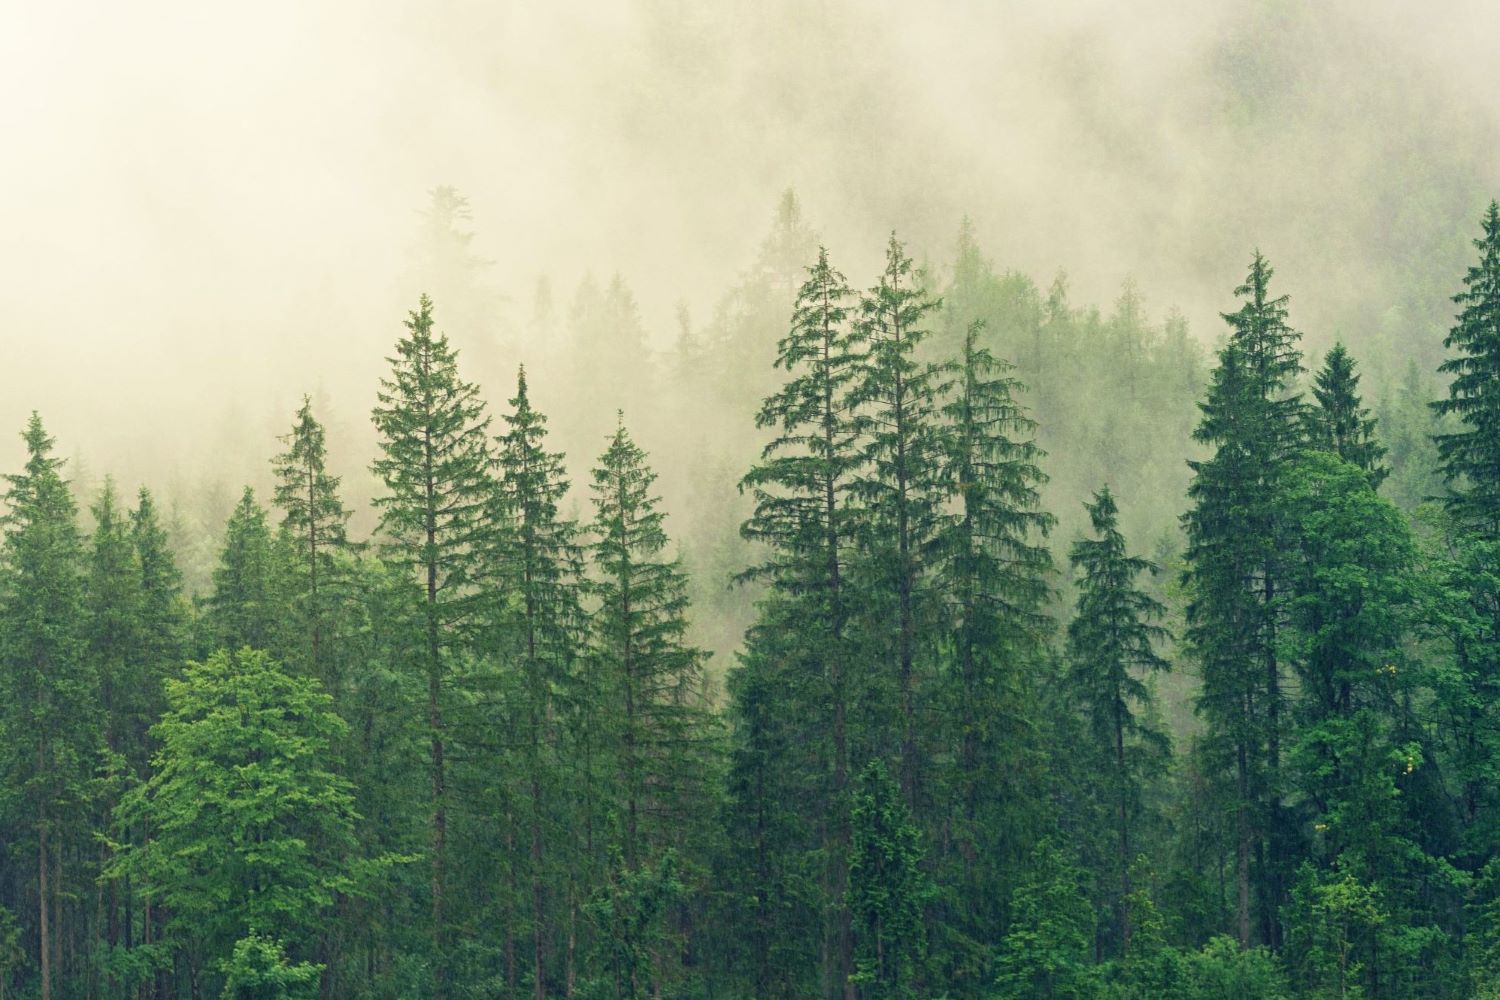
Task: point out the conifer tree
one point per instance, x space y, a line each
647 670
112 626
49 718
900 485
163 612
313 518
1236 555
251 600
648 680
994 566
1470 456
804 516
435 464
539 567
1339 423
1112 652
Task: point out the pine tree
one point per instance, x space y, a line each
436 468
251 600
804 516
113 598
1112 653
313 519
994 567
1339 423
539 568
646 668
900 485
1235 567
1471 456
648 680
163 613
49 718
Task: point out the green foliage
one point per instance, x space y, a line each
629 911
1470 455
1048 950
1111 649
1339 423
313 521
258 969
250 828
1236 564
251 603
887 890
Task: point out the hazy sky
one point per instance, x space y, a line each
206 209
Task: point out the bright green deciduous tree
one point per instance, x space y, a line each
250 827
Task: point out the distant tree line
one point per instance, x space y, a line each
479 754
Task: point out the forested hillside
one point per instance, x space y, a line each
996 646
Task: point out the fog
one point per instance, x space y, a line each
207 210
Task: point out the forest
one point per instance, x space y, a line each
1033 650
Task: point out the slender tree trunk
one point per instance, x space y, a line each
43 916
839 846
1242 846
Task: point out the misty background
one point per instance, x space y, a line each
206 212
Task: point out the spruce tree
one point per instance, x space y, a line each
1339 423
994 568
49 717
251 600
539 568
647 677
1111 654
163 612
112 626
1470 456
647 670
435 464
1236 552
313 519
900 484
805 518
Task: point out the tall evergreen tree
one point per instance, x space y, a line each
1252 420
49 717
994 565
113 587
314 519
901 487
1339 423
1470 456
647 668
539 567
251 600
645 671
804 515
435 464
1112 651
